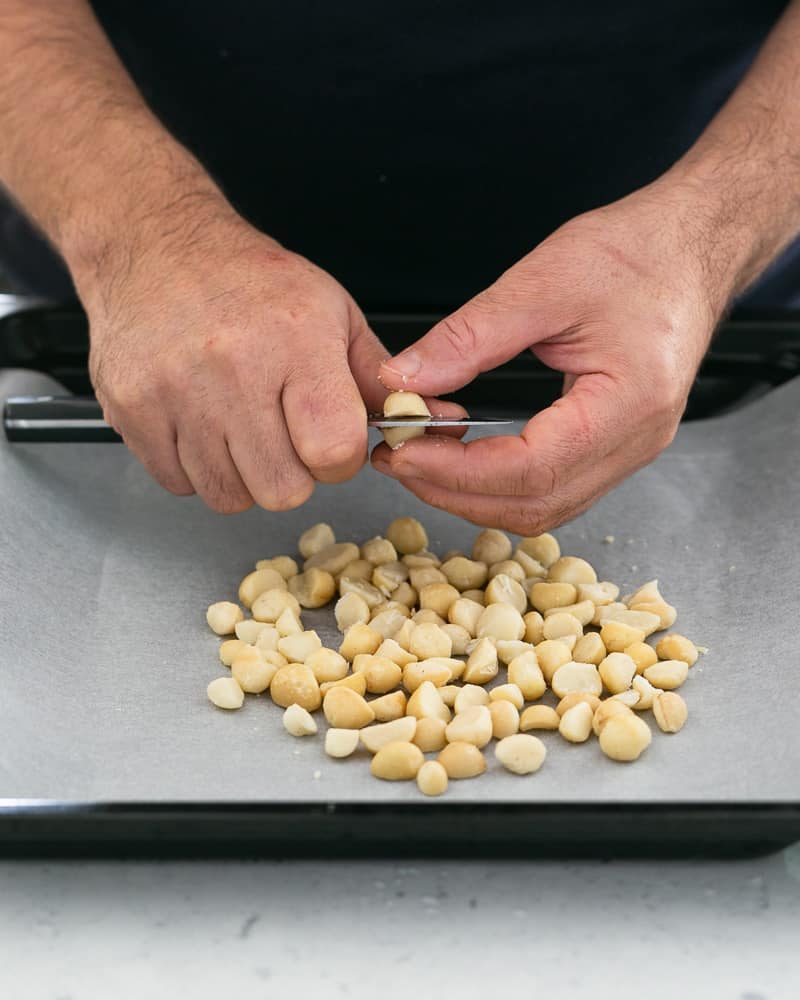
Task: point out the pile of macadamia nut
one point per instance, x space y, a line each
440 656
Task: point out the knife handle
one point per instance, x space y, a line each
56 418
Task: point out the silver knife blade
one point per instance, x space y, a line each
381 422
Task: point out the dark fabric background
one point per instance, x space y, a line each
416 150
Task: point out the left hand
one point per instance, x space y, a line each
623 300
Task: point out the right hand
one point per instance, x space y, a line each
231 367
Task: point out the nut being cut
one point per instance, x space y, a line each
403 404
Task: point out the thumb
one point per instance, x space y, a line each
475 338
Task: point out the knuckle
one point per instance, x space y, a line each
232 503
459 333
329 457
285 496
222 495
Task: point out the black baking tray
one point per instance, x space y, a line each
751 358
752 352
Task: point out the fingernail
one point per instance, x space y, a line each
381 466
406 365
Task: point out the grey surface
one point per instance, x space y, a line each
104 581
398 931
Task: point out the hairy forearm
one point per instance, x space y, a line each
742 177
81 150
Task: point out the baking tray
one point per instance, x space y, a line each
109 744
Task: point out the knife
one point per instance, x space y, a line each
80 419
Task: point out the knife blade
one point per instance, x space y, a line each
381 422
80 419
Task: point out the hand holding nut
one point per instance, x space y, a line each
614 301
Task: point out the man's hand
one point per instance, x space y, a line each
231 367
622 301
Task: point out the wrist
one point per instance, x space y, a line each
138 204
737 214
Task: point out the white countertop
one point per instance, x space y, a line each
584 930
